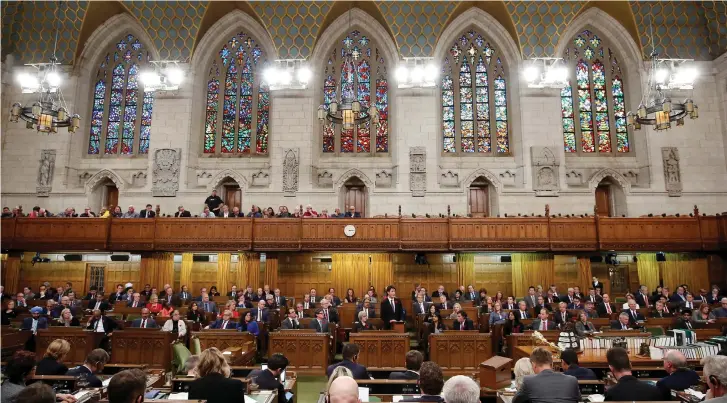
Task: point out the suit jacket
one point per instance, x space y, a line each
289 324
103 307
676 298
558 316
641 299
616 325
531 300
147 214
113 297
28 323
519 314
449 305
682 324
140 304
355 215
511 307
601 309
371 312
631 389
695 305
662 314
84 372
573 306
389 313
281 301
581 328
150 323
49 366
336 301
109 324
185 213
265 314
680 380
231 324
468 325
211 306
548 387
404 376
596 299
301 314
320 327
358 370
580 373
357 327
550 324
215 388
634 318
469 297
266 381
418 310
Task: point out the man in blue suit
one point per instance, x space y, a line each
35 322
569 360
225 323
260 314
680 376
145 322
350 356
352 213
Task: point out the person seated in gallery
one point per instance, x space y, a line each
309 212
462 322
213 383
300 310
440 291
623 322
248 324
522 312
371 312
206 213
99 303
261 313
145 322
283 212
337 214
604 308
413 362
350 357
181 212
35 321
319 323
576 304
583 327
590 310
270 302
147 212
363 323
225 212
542 322
52 362
66 319
352 213
224 323
661 311
255 212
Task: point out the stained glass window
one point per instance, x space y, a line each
121 110
240 126
366 73
474 95
596 96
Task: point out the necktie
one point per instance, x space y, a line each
563 315
224 325
134 304
689 325
542 325
143 323
689 305
34 326
98 304
666 309
608 308
445 305
259 314
522 314
206 307
623 327
391 300
461 326
633 314
646 300
326 312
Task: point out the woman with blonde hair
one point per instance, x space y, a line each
523 367
52 362
337 373
232 307
154 306
213 384
455 311
67 319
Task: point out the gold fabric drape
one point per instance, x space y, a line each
466 269
271 270
12 275
248 270
350 270
648 270
531 269
382 274
224 265
585 277
157 269
185 274
685 268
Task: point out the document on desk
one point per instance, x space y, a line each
363 394
248 399
179 396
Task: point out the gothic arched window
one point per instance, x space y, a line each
367 81
592 106
474 98
234 81
121 112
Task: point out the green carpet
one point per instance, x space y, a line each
309 387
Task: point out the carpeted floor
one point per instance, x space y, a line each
309 387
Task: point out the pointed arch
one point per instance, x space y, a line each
96 14
340 9
350 174
621 11
227 173
100 176
599 176
497 9
216 10
481 172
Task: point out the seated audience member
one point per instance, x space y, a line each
443 303
623 322
300 310
291 321
634 316
94 364
510 304
255 212
184 294
206 213
17 370
136 301
154 306
715 374
456 308
522 312
52 362
20 301
462 322
680 376
583 327
127 386
497 316
661 311
512 324
604 308
542 305
590 311
576 304
283 212
335 301
35 321
99 303
224 323
352 213
261 312
247 324
363 323
372 294
569 363
343 389
175 325
207 305
461 389
350 297
130 213
225 212
232 307
337 373
542 322
147 212
181 212
329 314
8 313
267 379
166 310
118 295
213 384
145 322
350 356
195 314
269 213
523 367
546 385
100 323
689 303
319 323
419 307
720 312
280 300
309 212
66 319
413 363
270 302
628 387
431 381
87 213
436 325
685 320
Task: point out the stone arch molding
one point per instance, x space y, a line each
606 173
350 174
227 173
100 176
492 178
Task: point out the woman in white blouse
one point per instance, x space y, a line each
175 325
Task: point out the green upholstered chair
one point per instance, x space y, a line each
180 355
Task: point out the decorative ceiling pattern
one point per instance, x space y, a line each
681 29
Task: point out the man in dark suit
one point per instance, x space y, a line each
562 317
145 322
225 322
684 321
35 321
440 291
350 356
679 296
462 323
170 297
547 385
430 384
628 387
370 312
593 297
391 308
576 304
680 376
233 293
319 324
623 322
522 312
334 299
551 298
690 303
661 311
542 322
291 322
596 284
510 304
209 306
267 379
279 299
642 296
414 361
634 315
352 213
118 295
184 295
472 295
93 365
260 313
99 303
420 306
569 362
136 302
531 299
329 314
299 310
181 212
147 213
100 323
443 304
604 309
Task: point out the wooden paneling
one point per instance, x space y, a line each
709 229
204 274
371 234
669 233
132 234
441 270
307 352
381 349
499 234
423 235
203 234
299 272
276 234
493 275
150 347
7 226
81 341
459 352
119 273
222 339
57 273
60 234
572 234
566 273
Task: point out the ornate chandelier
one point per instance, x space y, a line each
656 108
49 111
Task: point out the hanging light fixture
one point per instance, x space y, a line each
350 108
49 111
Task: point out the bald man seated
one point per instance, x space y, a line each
680 376
343 390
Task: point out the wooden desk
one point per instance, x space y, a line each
142 346
81 341
457 352
224 339
307 352
12 340
381 349
379 387
593 358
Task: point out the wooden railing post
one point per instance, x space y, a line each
598 225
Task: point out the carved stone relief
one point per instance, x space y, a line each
165 174
508 178
574 178
545 171
449 178
290 171
261 178
672 172
204 178
632 176
324 178
384 178
418 171
45 172
138 179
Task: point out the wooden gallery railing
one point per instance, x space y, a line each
705 233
